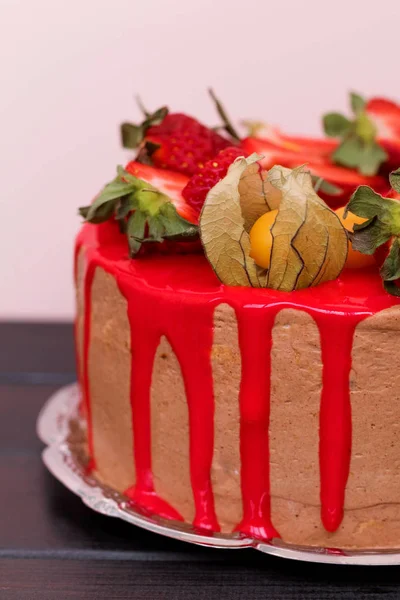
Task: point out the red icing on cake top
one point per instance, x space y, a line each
192 290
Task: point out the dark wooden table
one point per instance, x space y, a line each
53 547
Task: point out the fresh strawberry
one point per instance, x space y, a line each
386 116
168 182
145 204
173 141
278 154
320 147
185 145
215 169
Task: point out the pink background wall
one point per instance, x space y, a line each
71 68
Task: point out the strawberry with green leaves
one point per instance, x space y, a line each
382 227
147 204
370 139
169 183
173 141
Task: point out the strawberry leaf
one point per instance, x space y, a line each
109 196
349 152
320 184
354 153
394 179
390 269
135 231
227 123
359 148
357 103
382 225
391 288
142 107
367 203
133 135
372 157
366 238
364 128
138 206
175 226
336 125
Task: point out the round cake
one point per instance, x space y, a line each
242 407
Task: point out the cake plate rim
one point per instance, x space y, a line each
53 428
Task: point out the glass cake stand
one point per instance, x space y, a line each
60 427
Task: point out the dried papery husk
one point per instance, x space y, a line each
310 244
222 229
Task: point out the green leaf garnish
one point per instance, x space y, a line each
133 135
394 179
135 231
357 103
382 225
358 148
336 125
227 123
143 212
390 270
320 184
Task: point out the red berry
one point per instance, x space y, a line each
215 169
168 182
386 116
185 144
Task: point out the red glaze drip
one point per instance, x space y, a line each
335 415
190 335
77 349
144 342
176 296
256 338
89 275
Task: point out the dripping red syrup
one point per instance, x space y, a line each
188 292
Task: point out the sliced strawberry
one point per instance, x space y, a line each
200 184
392 148
184 144
386 116
345 179
168 182
274 154
145 204
320 147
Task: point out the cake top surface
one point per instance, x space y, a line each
312 220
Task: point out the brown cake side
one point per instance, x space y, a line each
372 511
